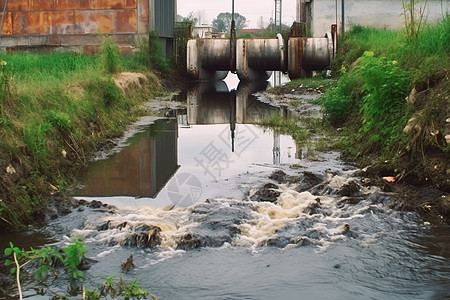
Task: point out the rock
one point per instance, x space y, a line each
144 236
104 226
10 170
350 188
344 229
128 265
314 208
203 239
86 263
96 204
412 96
266 194
308 181
52 214
279 176
349 200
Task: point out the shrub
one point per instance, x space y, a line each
385 87
339 102
60 120
150 54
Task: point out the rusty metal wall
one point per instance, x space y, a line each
73 24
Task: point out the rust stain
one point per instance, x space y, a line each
131 3
58 22
107 4
296 56
95 21
43 4
61 22
72 4
7 23
28 22
125 21
16 5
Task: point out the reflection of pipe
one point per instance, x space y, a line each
232 117
276 149
209 103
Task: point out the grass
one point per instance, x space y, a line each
54 103
378 68
304 131
313 83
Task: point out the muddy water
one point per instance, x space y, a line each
196 208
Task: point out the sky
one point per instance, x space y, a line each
253 10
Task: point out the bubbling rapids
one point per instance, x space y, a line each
279 214
272 223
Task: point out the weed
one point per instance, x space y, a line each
35 137
60 120
111 93
384 89
150 54
339 102
110 56
378 70
46 258
61 184
287 126
295 102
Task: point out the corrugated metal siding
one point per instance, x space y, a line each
164 17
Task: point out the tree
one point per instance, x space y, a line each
223 22
195 18
190 18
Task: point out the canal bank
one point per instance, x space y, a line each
433 205
273 217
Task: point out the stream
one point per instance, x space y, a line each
213 206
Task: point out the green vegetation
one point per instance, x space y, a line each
314 83
287 126
50 259
55 108
303 130
392 97
150 55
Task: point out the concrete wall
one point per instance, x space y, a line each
373 13
73 24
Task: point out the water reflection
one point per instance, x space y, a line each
151 158
139 169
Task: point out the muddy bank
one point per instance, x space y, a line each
422 188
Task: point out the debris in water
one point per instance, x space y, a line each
389 178
128 265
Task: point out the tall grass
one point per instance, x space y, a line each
54 109
382 42
429 53
26 65
150 55
378 69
